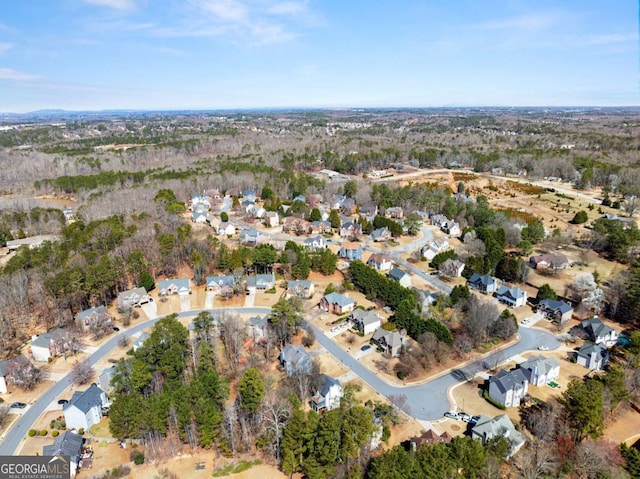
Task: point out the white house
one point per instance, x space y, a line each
51 344
133 297
85 408
436 246
137 344
514 297
400 276
366 321
380 262
173 286
66 444
3 377
593 356
225 228
315 243
508 387
487 428
540 370
328 396
598 332
105 378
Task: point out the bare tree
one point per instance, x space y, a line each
4 412
233 334
82 372
275 413
400 402
23 373
536 462
478 319
123 341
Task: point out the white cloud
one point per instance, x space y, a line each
5 47
529 22
226 10
288 8
116 4
10 74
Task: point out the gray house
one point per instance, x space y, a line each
91 317
558 310
508 388
295 360
593 356
400 276
366 321
487 428
391 342
261 281
105 378
222 284
483 282
172 286
85 408
328 396
598 332
67 444
133 297
540 370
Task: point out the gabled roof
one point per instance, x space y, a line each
514 293
261 279
258 321
86 400
588 349
508 380
3 368
541 364
351 245
365 317
379 258
397 274
180 283
484 279
555 305
339 299
44 339
99 310
596 328
67 444
222 280
293 354
499 426
391 338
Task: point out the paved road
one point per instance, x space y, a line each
22 425
428 401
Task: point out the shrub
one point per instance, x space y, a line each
43 432
55 433
138 459
485 394
32 432
81 431
580 217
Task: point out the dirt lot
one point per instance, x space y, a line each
625 427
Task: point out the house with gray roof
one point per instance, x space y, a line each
367 322
452 268
139 341
173 286
250 236
556 309
85 408
593 356
483 282
295 360
328 396
508 387
400 276
380 234
67 444
540 370
221 284
514 297
257 328
133 297
105 378
51 344
598 332
315 243
303 289
3 376
337 303
487 428
261 281
92 317
391 342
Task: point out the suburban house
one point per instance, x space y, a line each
271 219
400 276
328 396
222 284
257 328
296 225
593 356
51 344
261 281
85 408
200 217
249 195
105 378
380 262
366 321
173 286
438 220
139 341
452 268
508 387
391 342
295 360
279 241
429 437
226 229
321 227
68 214
133 297
487 428
92 317
348 207
598 332
303 289
558 310
255 211
337 303
350 230
540 370
452 228
395 213
336 201
555 261
380 235
514 297
315 243
202 202
250 236
483 282
32 242
369 212
351 251
67 444
436 246
3 377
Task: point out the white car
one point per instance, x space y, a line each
543 348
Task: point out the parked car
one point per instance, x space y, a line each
543 348
464 416
366 347
116 329
63 402
451 415
18 405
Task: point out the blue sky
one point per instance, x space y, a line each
174 54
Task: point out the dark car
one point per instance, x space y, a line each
63 402
116 329
18 405
366 347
